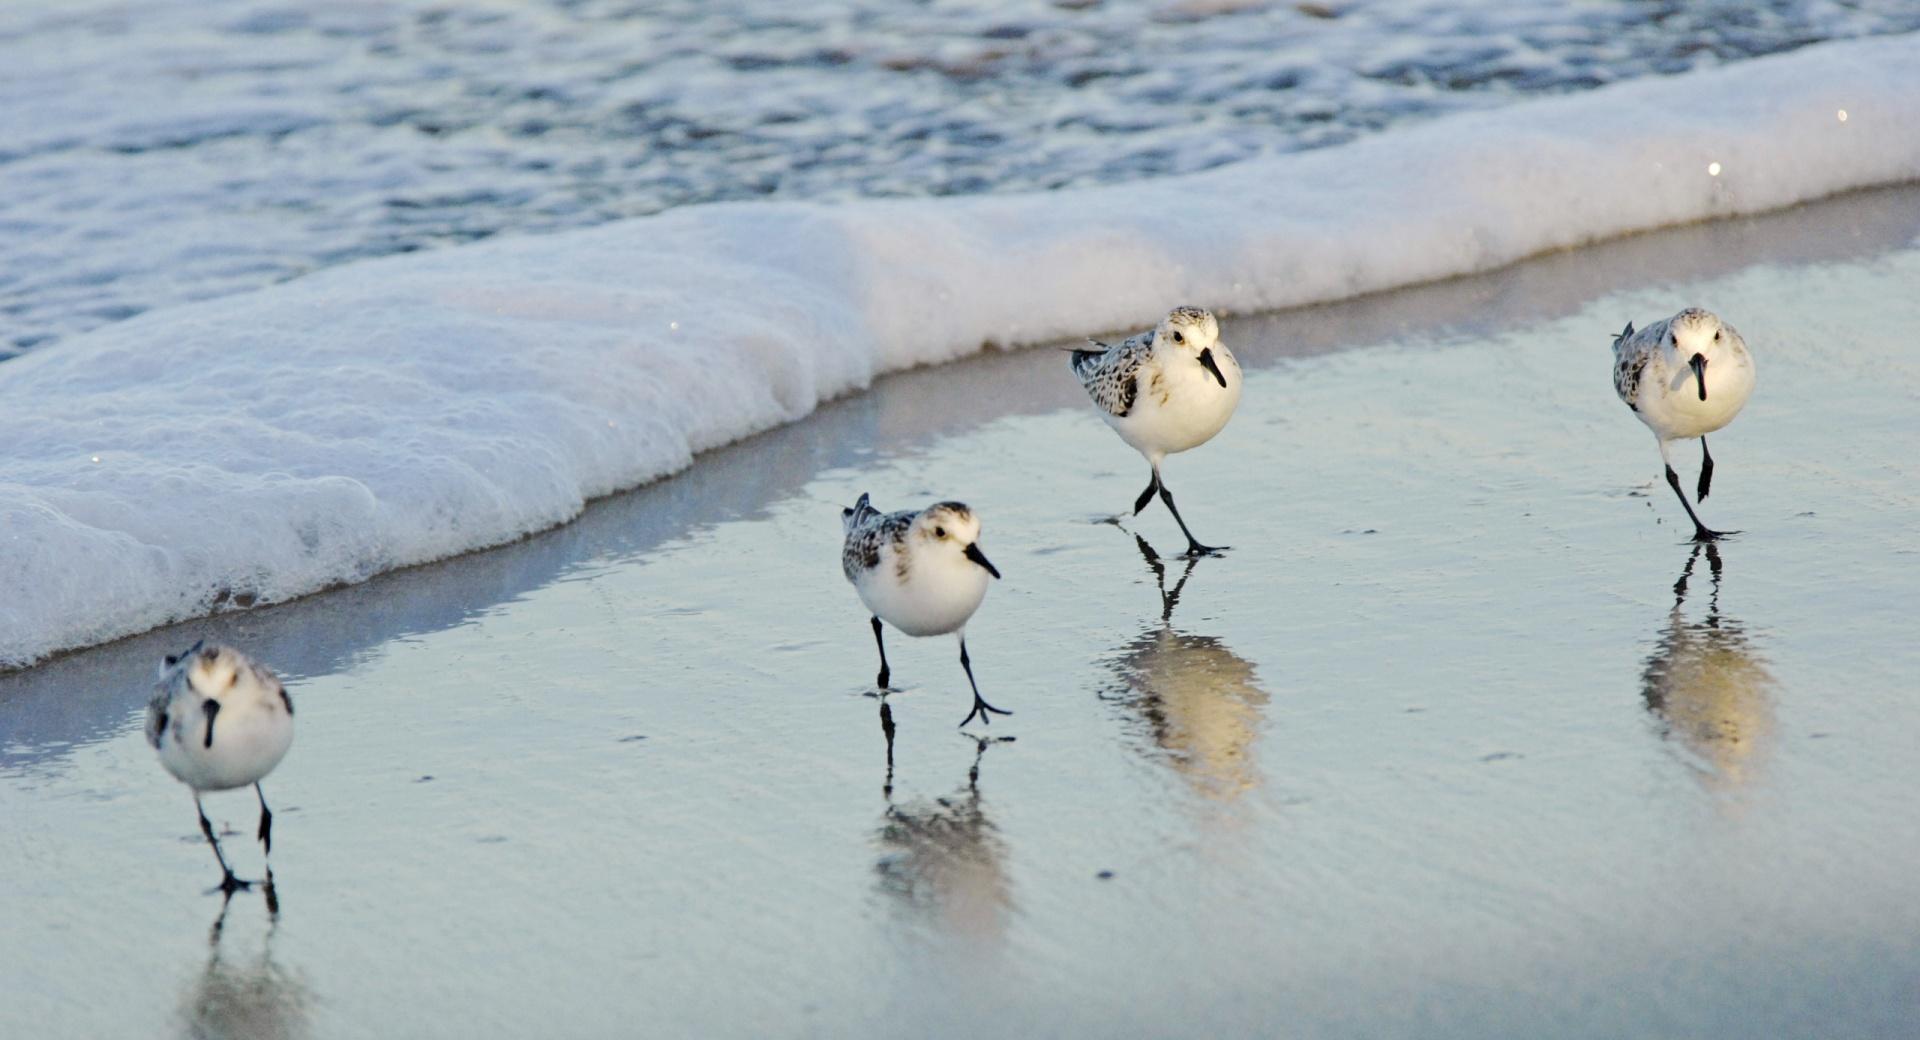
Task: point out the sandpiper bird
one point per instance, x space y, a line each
921 572
1164 391
220 721
1684 377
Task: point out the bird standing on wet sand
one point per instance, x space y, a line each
220 721
1684 377
1165 391
921 572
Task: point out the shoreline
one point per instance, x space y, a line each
1873 219
928 402
406 410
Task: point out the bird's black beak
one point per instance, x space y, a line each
974 554
1698 363
1206 362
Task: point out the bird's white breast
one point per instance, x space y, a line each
249 739
1178 404
938 594
1669 399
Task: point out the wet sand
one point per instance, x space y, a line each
1460 739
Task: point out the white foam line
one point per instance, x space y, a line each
261 447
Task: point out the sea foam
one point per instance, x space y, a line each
255 448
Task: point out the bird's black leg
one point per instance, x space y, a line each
1706 471
266 821
1700 531
882 644
1194 548
1147 495
980 707
228 883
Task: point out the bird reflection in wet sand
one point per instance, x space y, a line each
886 730
1200 701
253 997
943 861
1708 686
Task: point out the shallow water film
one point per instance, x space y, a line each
1461 738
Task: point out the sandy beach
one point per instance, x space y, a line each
1462 738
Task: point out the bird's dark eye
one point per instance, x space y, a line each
939 532
1177 337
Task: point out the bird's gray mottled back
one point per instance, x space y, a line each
157 715
1109 374
1631 353
867 529
172 683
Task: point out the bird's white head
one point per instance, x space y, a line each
1697 338
951 528
1193 332
220 672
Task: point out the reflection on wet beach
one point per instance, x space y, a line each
246 998
943 863
1201 703
1708 685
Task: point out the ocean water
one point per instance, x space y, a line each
254 448
1462 739
175 150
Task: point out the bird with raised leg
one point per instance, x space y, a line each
1684 377
1164 391
219 722
921 571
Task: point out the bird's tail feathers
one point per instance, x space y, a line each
858 513
1083 357
173 659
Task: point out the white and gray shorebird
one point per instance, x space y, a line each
920 571
1684 377
220 721
1164 391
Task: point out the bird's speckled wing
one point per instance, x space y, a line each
157 709
1632 352
861 551
1110 376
